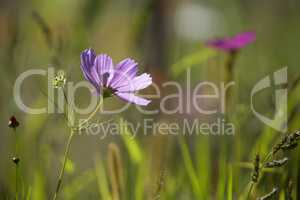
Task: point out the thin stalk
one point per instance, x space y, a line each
250 189
261 167
17 179
55 104
229 67
263 164
266 159
91 115
62 171
17 164
65 96
66 154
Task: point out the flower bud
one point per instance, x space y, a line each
59 80
13 123
16 160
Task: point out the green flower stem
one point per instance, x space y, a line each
66 154
17 190
62 171
229 67
91 115
17 164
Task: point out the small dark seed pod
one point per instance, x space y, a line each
295 135
255 174
16 160
289 146
13 122
276 163
279 145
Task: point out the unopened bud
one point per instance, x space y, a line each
13 123
59 80
16 160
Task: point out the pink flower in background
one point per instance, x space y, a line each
233 43
121 80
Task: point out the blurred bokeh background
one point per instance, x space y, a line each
166 37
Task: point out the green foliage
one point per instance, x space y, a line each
189 167
190 60
196 167
132 146
103 186
38 188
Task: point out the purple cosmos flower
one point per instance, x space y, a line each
233 43
121 80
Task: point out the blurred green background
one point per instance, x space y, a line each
165 37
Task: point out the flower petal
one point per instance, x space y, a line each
242 39
124 71
104 66
219 43
137 83
132 98
234 43
87 61
87 58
